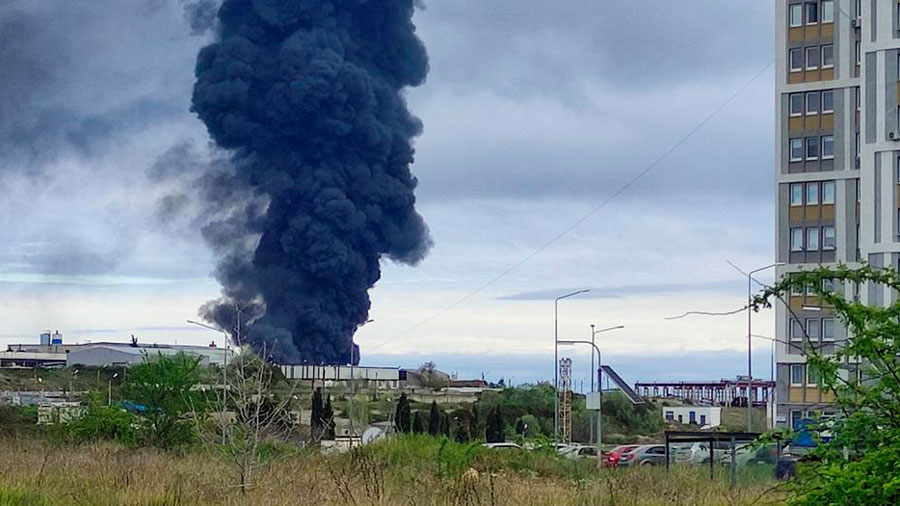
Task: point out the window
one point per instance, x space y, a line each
702 419
796 150
828 238
812 148
828 192
827 285
827 147
796 15
812 193
796 331
812 326
796 57
797 375
812 58
797 239
828 329
828 56
859 8
796 290
812 376
692 417
812 238
670 416
796 104
796 419
828 11
812 13
796 194
856 92
812 102
828 101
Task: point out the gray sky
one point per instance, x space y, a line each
535 113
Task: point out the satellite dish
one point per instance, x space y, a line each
372 434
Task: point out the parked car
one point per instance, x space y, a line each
569 448
582 452
692 453
611 458
644 455
502 446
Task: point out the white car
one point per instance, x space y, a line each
502 446
693 453
581 452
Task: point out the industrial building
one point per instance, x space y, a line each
837 147
53 352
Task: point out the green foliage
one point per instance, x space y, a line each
418 426
99 421
11 498
530 425
434 419
859 464
328 419
402 415
494 432
164 386
17 419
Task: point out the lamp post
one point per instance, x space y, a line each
600 410
224 369
109 399
556 358
599 386
750 339
353 390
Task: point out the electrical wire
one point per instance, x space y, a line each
622 189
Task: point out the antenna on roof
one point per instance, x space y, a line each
134 342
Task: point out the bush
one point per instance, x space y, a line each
101 422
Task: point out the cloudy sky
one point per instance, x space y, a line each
538 118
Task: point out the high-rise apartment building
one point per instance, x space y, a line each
837 147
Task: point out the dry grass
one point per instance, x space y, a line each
32 473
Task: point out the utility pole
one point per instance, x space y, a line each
556 359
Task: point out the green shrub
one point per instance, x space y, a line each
101 422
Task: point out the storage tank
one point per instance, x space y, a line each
45 338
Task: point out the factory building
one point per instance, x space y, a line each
53 352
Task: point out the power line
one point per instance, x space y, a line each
706 313
651 66
590 213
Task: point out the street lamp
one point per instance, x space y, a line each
224 369
600 410
109 401
352 389
593 334
750 338
556 358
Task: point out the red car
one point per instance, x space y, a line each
611 458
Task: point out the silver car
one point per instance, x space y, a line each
644 455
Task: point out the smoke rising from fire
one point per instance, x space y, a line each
307 97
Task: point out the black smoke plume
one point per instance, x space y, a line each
307 95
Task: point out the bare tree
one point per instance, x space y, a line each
252 414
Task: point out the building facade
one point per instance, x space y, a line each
837 147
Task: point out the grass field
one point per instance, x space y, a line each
416 470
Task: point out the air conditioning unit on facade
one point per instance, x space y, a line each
894 136
855 22
857 162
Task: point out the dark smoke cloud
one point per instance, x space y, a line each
201 15
307 94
